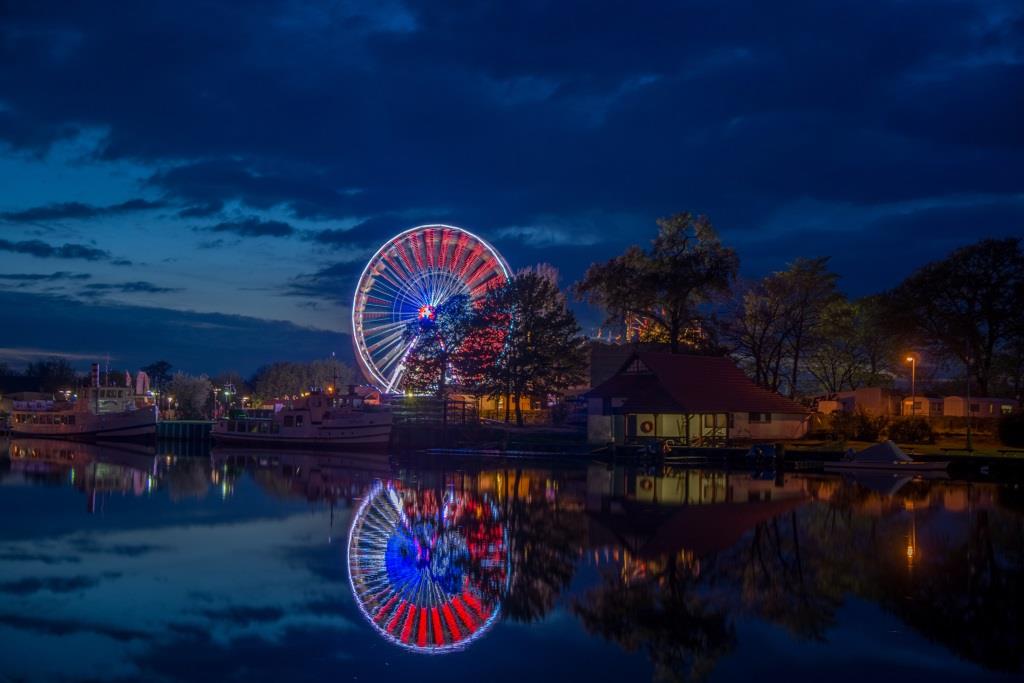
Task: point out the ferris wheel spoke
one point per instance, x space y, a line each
451 287
399 371
379 332
396 351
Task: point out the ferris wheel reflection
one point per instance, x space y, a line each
428 568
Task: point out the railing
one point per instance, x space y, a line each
427 410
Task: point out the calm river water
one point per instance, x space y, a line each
126 565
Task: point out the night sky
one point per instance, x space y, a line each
202 182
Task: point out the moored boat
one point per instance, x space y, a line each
99 413
316 421
885 456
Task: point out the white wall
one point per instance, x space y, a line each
782 426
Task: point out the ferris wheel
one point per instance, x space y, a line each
408 278
428 569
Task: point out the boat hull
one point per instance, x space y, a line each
132 426
375 437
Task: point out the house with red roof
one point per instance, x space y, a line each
690 400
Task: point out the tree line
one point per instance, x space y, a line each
795 331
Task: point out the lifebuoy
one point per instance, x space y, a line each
646 484
646 426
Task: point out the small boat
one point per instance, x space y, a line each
884 456
316 421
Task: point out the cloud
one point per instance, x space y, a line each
136 287
253 227
243 615
549 235
44 277
53 584
64 627
35 326
201 210
41 249
77 210
335 282
43 558
513 118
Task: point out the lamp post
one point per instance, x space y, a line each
970 441
913 384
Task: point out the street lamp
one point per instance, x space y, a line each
913 384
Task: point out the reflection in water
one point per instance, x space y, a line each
674 567
91 468
426 572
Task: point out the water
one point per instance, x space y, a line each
120 565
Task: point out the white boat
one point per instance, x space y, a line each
99 413
315 421
885 456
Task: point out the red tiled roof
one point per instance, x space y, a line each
691 384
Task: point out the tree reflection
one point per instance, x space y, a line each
665 614
545 538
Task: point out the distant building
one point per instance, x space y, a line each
980 406
692 400
922 406
870 400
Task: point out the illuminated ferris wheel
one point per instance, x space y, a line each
408 278
428 569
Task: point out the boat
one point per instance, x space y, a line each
98 413
885 456
315 421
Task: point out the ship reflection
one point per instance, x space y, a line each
426 567
94 469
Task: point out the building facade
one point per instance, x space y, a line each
689 400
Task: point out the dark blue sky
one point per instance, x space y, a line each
234 160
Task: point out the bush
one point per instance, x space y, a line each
857 426
1011 430
911 430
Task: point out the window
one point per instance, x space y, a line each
637 368
760 418
289 420
975 408
1006 409
298 420
71 419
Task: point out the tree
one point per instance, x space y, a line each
778 322
53 374
191 395
159 373
286 379
328 372
436 340
667 285
968 305
542 353
881 344
809 288
837 359
758 331
232 379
